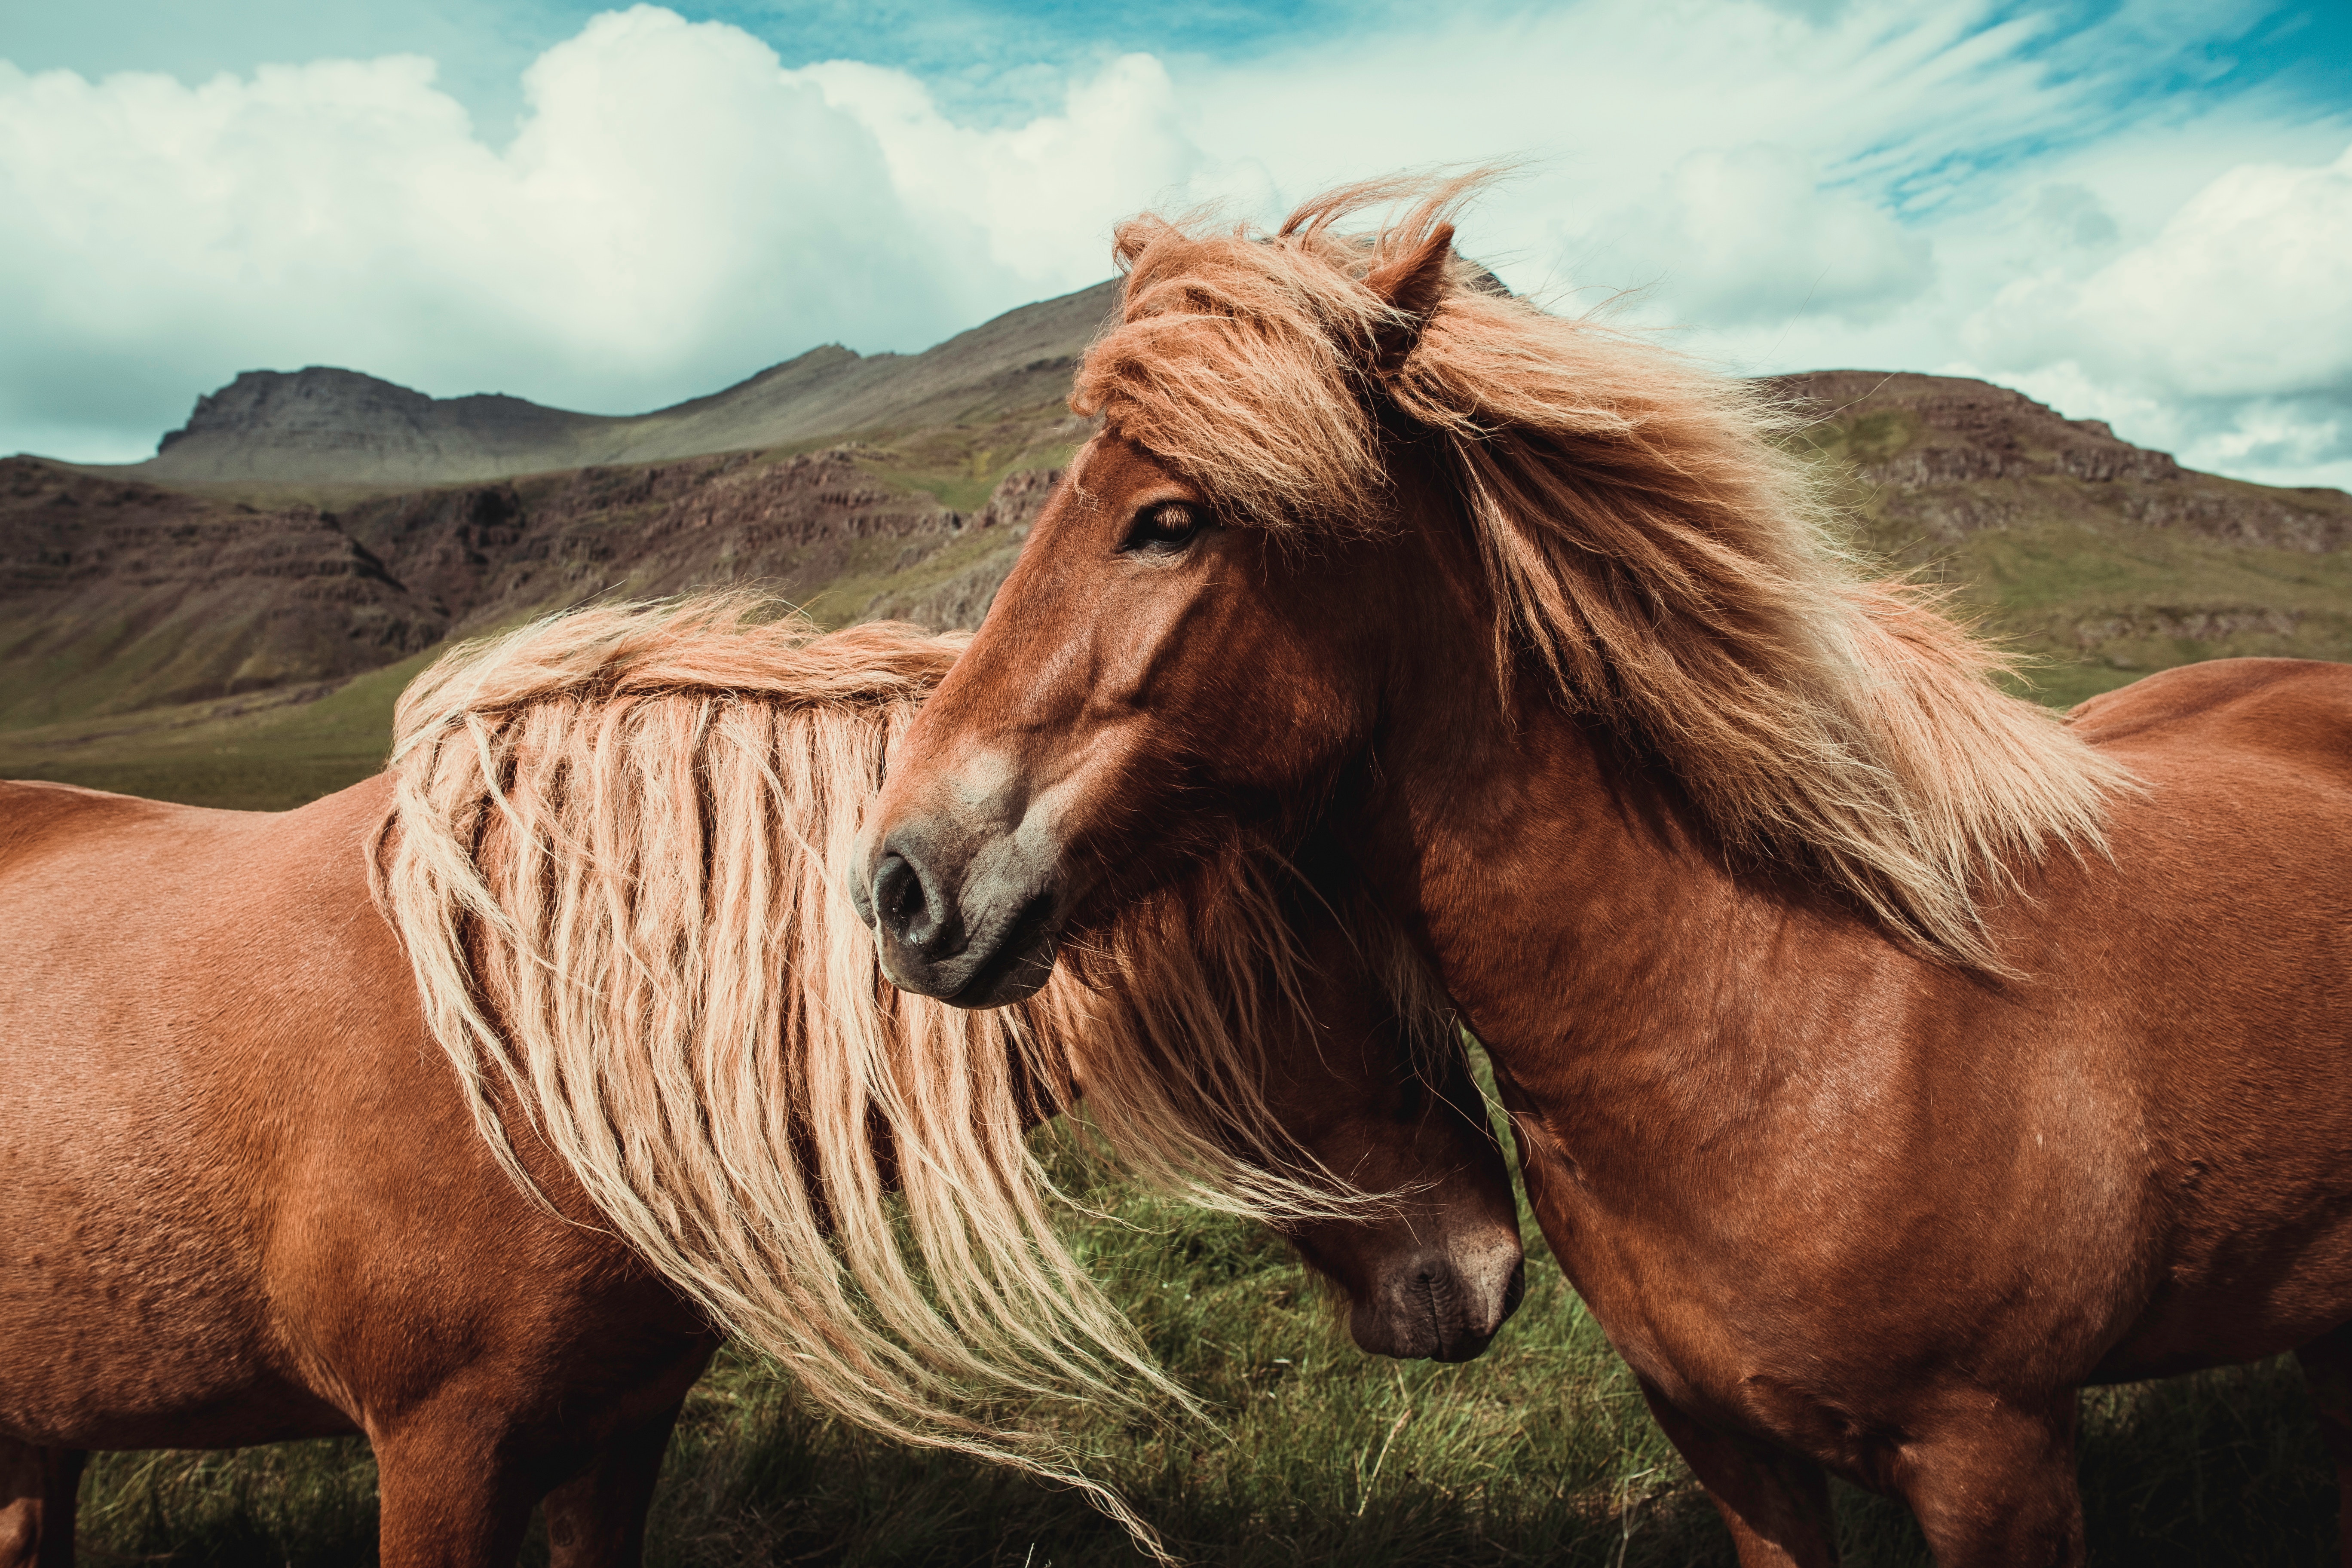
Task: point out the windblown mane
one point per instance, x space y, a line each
1653 551
612 862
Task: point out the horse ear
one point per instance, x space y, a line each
1412 284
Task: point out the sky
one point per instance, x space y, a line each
2136 211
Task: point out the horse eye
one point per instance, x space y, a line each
1163 530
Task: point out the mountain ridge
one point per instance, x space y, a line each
328 424
136 601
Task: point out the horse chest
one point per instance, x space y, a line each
1651 1296
1801 1301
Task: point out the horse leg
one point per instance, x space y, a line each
1777 1503
40 1489
2328 1368
454 1495
1995 1487
597 1519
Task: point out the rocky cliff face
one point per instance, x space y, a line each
959 599
1947 457
819 528
2106 559
322 424
116 595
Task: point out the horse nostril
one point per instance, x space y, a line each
901 906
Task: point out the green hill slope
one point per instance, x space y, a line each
2102 560
241 643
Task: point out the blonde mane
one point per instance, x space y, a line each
612 863
1654 553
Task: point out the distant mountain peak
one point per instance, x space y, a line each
316 399
324 424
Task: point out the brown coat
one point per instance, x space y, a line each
245 1204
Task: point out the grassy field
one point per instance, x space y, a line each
268 752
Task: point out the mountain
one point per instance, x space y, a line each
117 596
1948 457
2101 560
230 620
323 425
304 528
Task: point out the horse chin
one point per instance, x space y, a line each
1014 974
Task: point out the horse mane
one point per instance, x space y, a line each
1654 553
612 859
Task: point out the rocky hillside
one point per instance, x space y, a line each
117 596
330 426
2103 559
1945 457
149 632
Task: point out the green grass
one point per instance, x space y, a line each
2098 609
263 754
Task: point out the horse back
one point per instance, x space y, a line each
37 816
2205 973
2294 710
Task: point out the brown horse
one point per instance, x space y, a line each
1888 1058
246 1197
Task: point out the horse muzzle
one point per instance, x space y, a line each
1439 1305
974 925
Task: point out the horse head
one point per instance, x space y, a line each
1189 645
1357 531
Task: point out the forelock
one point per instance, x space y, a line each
1237 362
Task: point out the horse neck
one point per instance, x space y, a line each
1630 983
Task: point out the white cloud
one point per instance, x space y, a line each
1044 193
1750 234
1874 184
676 211
2229 330
2246 291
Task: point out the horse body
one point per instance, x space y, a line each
2233 1010
247 1199
1887 1063
245 1204
1838 1205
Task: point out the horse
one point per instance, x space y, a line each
1888 1057
470 1108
